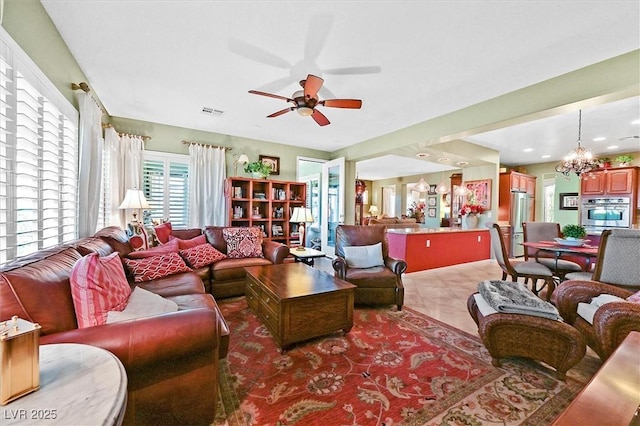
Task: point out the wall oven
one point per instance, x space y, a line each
603 213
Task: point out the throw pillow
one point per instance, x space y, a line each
142 303
364 256
187 244
243 242
98 285
634 298
163 232
170 247
142 237
199 256
160 266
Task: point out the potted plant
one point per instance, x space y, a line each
258 169
624 160
575 232
604 162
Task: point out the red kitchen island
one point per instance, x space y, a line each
428 248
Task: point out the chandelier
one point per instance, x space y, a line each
579 160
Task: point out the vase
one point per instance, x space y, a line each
472 221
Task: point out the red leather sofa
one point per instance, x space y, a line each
171 359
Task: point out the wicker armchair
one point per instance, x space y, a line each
612 322
378 285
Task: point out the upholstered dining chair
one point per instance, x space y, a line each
618 261
547 231
362 258
528 269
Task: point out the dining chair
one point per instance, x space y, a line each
547 231
528 269
618 261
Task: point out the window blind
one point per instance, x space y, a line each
38 158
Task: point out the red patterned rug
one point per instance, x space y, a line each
392 368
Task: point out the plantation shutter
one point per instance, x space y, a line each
166 187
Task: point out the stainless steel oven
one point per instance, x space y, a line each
606 212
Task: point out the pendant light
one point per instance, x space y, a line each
442 187
421 186
462 189
578 161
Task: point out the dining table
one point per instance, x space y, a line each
585 250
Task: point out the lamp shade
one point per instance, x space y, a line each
134 199
373 210
243 159
421 186
301 215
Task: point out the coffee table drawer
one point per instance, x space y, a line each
253 295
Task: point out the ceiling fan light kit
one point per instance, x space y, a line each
306 100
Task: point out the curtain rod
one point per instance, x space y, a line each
226 148
108 125
85 88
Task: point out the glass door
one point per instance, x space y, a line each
313 202
332 199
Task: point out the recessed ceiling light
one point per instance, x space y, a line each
612 147
443 159
422 155
599 139
546 156
527 150
462 163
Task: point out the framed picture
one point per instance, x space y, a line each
432 190
274 162
431 212
432 201
569 201
480 192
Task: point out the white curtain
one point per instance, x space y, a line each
90 164
125 155
207 168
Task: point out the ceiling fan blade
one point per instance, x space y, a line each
311 86
353 70
270 95
342 103
320 118
317 34
282 111
257 54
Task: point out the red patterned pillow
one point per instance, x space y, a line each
160 266
243 242
187 244
142 237
170 247
163 232
98 285
204 254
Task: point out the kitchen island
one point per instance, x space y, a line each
428 248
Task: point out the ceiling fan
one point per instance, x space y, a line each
306 100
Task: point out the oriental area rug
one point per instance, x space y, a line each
392 368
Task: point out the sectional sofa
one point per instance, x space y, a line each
171 359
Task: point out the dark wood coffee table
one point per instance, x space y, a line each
297 302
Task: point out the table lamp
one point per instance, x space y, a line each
373 210
134 199
242 159
301 215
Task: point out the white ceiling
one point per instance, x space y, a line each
409 61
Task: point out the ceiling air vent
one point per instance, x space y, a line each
212 111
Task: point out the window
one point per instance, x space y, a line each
165 182
38 158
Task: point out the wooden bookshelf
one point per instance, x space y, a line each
267 204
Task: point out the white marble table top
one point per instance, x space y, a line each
79 385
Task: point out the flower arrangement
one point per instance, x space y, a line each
416 210
471 209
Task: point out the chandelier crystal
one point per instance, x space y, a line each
578 161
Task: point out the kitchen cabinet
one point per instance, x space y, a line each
620 181
267 204
515 182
